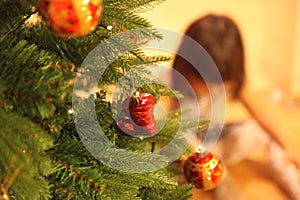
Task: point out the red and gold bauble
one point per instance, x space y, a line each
71 18
138 118
204 170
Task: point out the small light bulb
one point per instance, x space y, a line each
85 1
109 27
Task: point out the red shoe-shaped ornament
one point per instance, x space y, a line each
138 118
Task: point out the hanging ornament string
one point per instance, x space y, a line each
18 25
200 149
30 20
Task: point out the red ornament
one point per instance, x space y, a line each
204 170
71 18
138 118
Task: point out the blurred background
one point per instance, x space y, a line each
270 31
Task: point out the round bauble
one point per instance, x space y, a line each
71 18
203 170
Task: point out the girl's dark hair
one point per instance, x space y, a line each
220 37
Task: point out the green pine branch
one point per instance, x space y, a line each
22 144
136 5
72 163
37 71
180 193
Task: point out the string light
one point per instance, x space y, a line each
109 27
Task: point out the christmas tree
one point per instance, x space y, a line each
57 142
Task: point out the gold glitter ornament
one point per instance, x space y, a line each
71 18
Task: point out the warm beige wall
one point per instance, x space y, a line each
278 42
296 64
267 26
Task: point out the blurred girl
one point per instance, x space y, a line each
221 38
